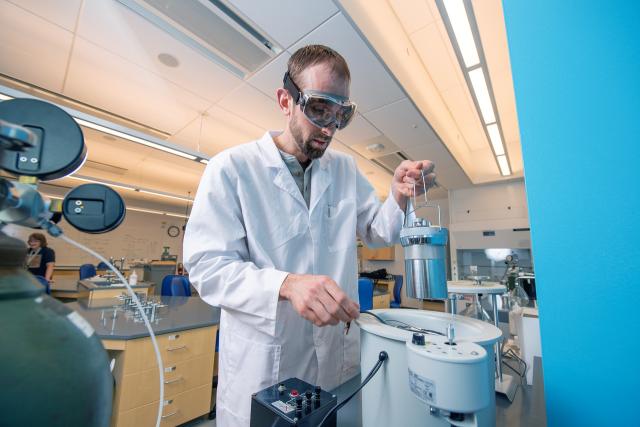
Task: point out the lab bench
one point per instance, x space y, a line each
71 288
185 329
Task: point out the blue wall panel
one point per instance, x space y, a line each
576 69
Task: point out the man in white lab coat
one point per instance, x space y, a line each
272 240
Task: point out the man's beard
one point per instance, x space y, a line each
306 145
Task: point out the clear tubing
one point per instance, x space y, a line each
142 314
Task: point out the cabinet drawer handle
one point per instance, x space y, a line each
180 347
169 415
175 380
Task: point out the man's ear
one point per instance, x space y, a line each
285 102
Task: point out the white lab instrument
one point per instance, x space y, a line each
388 399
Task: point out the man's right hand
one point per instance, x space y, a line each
319 299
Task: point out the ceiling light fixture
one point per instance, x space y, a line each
128 187
460 24
109 128
496 139
204 161
462 28
482 95
504 165
133 138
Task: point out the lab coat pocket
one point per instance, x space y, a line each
251 367
341 225
285 231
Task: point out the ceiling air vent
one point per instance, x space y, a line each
391 161
213 28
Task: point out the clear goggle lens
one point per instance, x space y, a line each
324 110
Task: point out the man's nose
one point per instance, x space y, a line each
329 130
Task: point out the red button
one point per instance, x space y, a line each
294 393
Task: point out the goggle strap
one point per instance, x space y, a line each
291 87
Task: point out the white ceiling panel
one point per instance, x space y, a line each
402 123
254 106
60 12
286 21
102 79
414 14
269 78
117 29
462 109
435 56
30 45
359 130
389 147
371 85
217 130
447 170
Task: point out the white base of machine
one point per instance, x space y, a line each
507 387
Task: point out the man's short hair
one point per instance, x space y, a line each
313 54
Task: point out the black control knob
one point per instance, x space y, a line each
418 339
299 406
308 394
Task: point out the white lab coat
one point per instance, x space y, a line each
248 229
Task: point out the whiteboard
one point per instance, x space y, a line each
140 236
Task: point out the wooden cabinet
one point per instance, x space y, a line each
381 301
188 363
380 254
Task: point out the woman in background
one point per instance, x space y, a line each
40 258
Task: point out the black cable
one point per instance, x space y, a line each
381 358
403 325
520 374
510 353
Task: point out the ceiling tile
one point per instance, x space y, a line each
60 12
414 14
388 147
371 85
118 30
104 80
358 130
402 123
216 131
435 56
448 173
466 116
254 106
269 78
25 58
286 21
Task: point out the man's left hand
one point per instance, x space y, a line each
409 175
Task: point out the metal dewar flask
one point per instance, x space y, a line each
424 254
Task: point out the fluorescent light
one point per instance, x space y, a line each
482 95
205 161
496 140
110 184
504 165
461 28
5 97
133 138
158 193
152 211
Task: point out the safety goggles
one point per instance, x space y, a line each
320 108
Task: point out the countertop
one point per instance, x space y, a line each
94 285
118 323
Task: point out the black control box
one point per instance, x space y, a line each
292 403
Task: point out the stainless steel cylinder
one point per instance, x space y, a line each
424 253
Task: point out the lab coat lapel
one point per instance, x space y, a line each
281 175
320 181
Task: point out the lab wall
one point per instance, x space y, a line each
486 217
575 67
140 236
